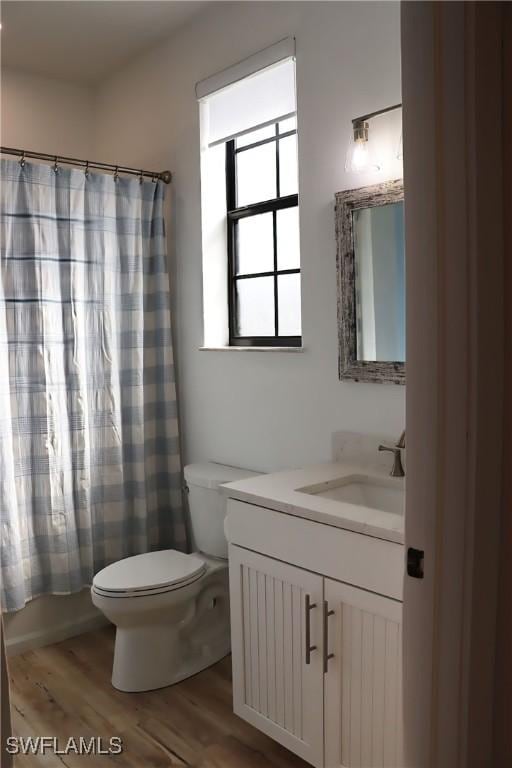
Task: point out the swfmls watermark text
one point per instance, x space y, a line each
74 745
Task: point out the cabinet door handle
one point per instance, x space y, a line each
308 606
326 654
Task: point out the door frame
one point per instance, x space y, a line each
452 102
503 676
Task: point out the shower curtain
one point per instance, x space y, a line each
89 456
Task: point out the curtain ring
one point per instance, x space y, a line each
116 173
154 179
22 158
55 165
141 176
86 172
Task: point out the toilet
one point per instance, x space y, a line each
170 609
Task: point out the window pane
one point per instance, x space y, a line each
255 297
259 135
256 174
290 124
288 166
255 244
288 252
288 296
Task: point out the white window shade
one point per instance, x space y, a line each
258 99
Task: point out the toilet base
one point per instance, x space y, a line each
146 660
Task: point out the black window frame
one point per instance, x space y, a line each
234 215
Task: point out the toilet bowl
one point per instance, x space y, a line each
170 609
172 616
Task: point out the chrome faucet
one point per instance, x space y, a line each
397 470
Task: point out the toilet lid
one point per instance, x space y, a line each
151 570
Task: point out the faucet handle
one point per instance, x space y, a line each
391 448
401 440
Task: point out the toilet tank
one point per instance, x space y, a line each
207 504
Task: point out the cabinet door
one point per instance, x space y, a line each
363 682
277 684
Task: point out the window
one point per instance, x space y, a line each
249 202
263 237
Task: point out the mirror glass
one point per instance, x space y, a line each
379 256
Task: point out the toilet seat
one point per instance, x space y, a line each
151 573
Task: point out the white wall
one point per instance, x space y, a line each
263 410
47 116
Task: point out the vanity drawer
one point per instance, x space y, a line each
373 564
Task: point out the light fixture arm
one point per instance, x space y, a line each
364 118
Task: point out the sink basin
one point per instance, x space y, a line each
381 495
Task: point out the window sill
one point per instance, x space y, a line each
251 349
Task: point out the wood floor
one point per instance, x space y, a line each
64 690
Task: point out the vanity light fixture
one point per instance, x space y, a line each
358 157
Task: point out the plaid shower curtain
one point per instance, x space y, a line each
89 456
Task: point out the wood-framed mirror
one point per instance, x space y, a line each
371 283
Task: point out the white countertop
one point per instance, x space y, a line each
279 491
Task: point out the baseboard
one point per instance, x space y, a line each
56 634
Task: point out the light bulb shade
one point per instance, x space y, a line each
360 149
358 156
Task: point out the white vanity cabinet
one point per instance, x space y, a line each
316 661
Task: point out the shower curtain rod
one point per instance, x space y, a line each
164 176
